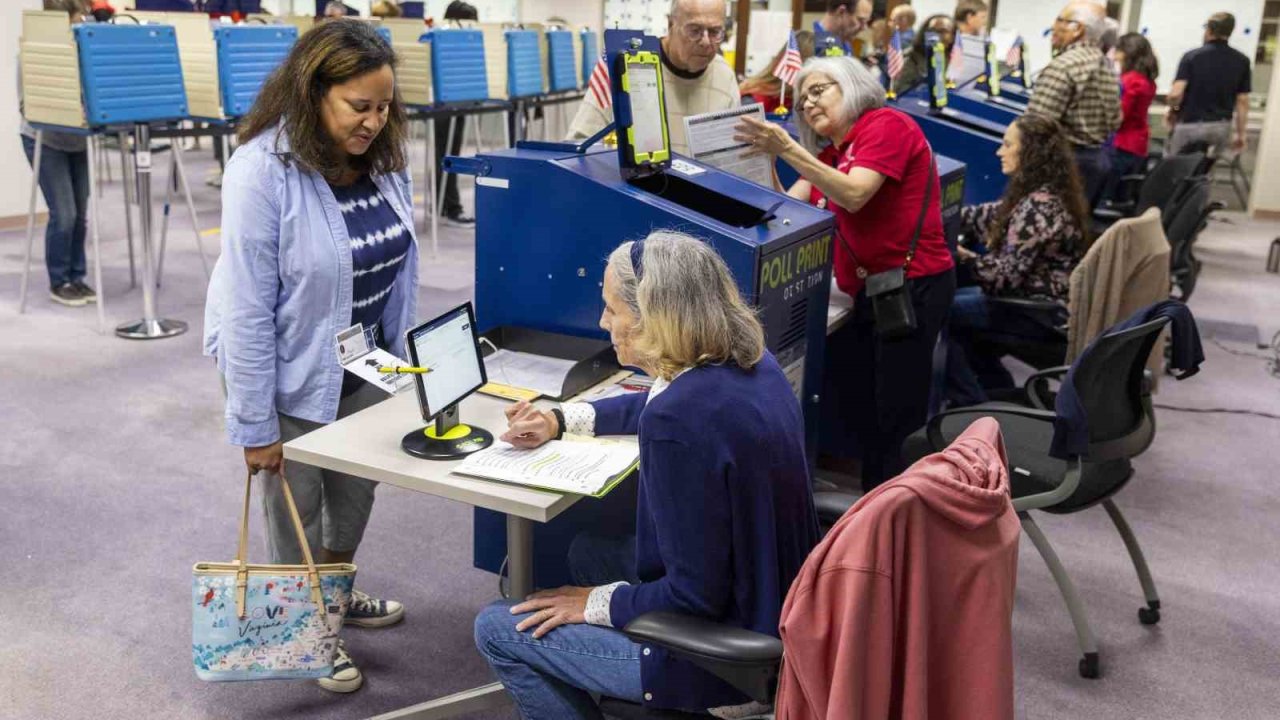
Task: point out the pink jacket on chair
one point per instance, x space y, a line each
904 609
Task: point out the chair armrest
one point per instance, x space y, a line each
1047 313
1032 387
1110 214
745 659
832 506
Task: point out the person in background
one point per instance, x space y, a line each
1080 90
766 88
317 235
453 212
725 516
696 79
843 21
64 183
1213 84
903 20
102 11
915 61
1138 71
336 9
1034 236
971 17
872 166
385 9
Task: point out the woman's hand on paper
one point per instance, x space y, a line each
764 137
529 427
552 608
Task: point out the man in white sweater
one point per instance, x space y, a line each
696 79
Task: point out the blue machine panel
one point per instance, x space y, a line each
457 66
524 63
564 76
130 73
590 54
967 139
977 103
247 54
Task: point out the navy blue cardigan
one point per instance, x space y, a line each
725 513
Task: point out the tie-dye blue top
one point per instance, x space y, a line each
379 244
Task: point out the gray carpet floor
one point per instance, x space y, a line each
115 477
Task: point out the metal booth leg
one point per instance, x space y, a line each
429 207
191 208
127 179
31 220
164 217
95 209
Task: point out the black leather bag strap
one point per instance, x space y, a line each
924 210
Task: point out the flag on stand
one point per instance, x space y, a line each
790 63
956 62
894 56
1013 59
599 84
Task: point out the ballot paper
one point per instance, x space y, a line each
582 468
539 373
710 137
359 356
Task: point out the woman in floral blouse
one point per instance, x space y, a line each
1033 238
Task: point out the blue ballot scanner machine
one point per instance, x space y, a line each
548 215
959 135
247 55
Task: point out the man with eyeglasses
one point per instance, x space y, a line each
842 22
695 78
1079 89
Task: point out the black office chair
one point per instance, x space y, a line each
1109 379
747 660
1185 222
1157 188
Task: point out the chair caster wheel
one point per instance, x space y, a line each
1149 615
1089 666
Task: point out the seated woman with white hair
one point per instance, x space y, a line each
871 166
725 514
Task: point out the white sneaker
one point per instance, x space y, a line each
346 676
370 612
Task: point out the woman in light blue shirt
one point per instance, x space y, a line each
317 235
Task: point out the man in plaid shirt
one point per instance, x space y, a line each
1079 89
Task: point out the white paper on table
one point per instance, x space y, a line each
359 356
584 468
540 373
710 137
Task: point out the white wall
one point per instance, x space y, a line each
1266 178
577 13
13 201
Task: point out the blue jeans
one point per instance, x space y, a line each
973 367
64 182
1094 164
557 677
1122 163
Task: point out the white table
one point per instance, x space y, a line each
367 445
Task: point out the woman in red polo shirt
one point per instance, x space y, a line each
873 168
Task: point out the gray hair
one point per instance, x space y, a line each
1110 35
1093 21
688 308
859 89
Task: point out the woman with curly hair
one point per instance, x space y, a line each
1030 240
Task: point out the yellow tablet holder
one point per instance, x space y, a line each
651 59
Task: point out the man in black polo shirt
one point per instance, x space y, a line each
1213 82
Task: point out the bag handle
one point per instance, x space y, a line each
242 552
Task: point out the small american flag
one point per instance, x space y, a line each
790 63
599 84
1014 57
955 62
895 55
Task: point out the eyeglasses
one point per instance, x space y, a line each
1065 21
814 93
694 32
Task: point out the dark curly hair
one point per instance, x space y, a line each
1045 162
329 54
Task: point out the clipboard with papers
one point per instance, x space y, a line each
581 467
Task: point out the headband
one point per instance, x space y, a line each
637 254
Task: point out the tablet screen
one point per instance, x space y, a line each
446 346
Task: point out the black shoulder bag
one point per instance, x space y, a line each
892 312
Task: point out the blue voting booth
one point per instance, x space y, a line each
247 55
130 73
564 73
524 63
547 216
457 65
590 55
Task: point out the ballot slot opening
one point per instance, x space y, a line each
702 200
